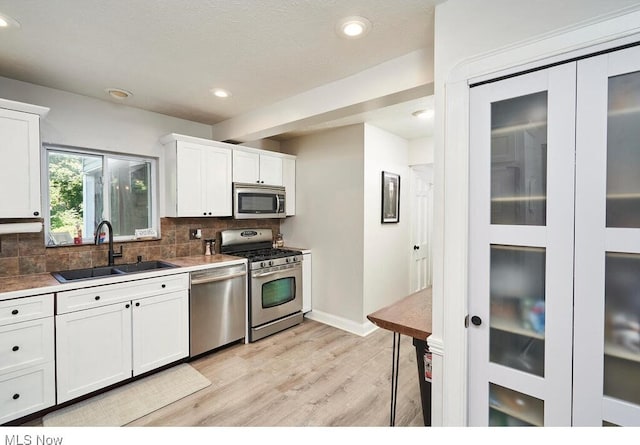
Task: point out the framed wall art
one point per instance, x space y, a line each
390 198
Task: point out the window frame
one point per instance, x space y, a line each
88 238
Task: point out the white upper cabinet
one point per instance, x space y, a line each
198 177
20 149
257 168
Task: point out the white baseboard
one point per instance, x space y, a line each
361 329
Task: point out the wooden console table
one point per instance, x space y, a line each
409 316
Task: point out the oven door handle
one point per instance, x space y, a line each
266 274
276 272
219 278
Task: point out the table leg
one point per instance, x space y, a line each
425 386
395 362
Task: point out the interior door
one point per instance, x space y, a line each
421 223
607 275
521 249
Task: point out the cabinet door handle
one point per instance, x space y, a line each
16 396
14 312
15 348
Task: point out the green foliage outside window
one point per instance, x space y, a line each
65 192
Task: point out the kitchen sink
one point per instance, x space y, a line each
89 273
143 266
85 274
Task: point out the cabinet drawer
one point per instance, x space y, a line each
26 392
26 344
27 308
74 300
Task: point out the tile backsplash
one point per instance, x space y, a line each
25 253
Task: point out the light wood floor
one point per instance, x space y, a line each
309 375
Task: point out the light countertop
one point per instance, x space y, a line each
44 283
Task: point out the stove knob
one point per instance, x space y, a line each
295 259
287 260
262 264
270 263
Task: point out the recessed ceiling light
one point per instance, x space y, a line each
219 92
8 22
423 114
353 27
118 93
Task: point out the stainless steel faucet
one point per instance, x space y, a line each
112 254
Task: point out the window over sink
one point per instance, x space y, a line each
84 187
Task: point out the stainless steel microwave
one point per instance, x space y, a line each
252 201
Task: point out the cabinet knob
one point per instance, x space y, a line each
16 396
137 304
164 285
416 247
204 213
15 348
476 321
36 213
14 312
97 297
127 306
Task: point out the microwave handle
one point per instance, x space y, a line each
277 203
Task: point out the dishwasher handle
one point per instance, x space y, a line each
218 278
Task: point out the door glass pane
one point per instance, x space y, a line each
622 327
519 160
512 408
277 292
517 310
130 195
623 151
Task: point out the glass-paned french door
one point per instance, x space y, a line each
554 245
607 254
521 249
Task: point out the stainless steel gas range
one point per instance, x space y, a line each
274 280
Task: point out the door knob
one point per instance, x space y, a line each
476 321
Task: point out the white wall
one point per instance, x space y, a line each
91 123
329 215
386 246
359 264
469 33
421 151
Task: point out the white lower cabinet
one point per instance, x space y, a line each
156 342
93 349
107 344
27 379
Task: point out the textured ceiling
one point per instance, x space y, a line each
171 53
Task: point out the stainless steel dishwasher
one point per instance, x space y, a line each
217 307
